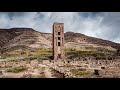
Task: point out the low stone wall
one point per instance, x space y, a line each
61 70
97 63
91 65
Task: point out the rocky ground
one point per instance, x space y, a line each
46 69
26 69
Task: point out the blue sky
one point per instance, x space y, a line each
103 25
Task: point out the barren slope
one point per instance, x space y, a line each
29 38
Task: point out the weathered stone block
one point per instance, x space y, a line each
102 67
99 72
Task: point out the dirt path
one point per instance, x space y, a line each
47 73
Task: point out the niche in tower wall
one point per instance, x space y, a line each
58 43
59 56
58 33
58 38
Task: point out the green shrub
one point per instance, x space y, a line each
17 69
42 58
80 72
47 51
85 53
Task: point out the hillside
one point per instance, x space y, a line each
81 38
14 38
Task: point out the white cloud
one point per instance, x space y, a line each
105 25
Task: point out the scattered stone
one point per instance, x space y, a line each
99 72
27 75
82 69
46 62
34 63
96 72
102 67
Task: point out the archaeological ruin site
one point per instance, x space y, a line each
26 53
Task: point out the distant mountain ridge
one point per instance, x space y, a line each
77 37
29 38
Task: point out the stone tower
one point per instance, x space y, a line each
58 41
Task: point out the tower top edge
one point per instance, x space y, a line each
57 23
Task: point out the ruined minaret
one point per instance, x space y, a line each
58 41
